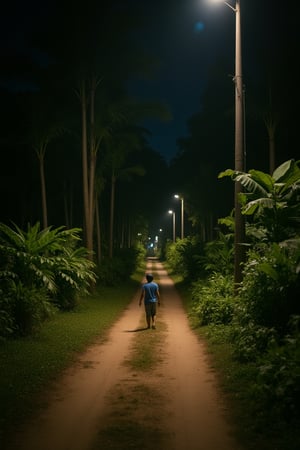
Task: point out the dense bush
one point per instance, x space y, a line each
213 300
270 289
113 271
6 315
274 364
38 267
251 341
30 307
192 259
72 276
23 309
184 257
218 255
278 380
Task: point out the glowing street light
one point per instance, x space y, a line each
239 230
180 197
174 222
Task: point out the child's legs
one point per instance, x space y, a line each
148 314
153 313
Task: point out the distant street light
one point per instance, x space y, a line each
180 197
239 230
158 240
174 222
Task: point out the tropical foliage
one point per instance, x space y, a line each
218 254
271 286
39 270
272 201
213 300
115 271
260 325
183 256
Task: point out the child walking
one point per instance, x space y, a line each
151 295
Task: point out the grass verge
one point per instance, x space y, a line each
29 364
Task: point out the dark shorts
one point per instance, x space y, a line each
150 309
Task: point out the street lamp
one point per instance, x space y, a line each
239 231
180 197
174 221
158 239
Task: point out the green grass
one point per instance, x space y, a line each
30 364
147 347
130 435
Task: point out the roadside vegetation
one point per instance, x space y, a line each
253 335
54 301
51 307
30 363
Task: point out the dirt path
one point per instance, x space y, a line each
100 397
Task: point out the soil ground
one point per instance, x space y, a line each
104 402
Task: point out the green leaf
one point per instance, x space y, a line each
263 179
251 185
226 173
258 205
282 170
268 270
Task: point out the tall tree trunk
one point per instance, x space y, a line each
88 231
98 231
66 208
68 205
123 233
272 162
129 241
112 211
271 122
271 128
93 155
43 190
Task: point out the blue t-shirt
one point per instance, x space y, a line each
150 292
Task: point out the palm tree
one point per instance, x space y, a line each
109 128
118 148
42 136
89 48
99 186
94 130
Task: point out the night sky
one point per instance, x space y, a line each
191 36
188 37
193 45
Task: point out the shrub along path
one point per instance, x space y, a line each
139 389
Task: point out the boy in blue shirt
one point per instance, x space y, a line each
150 294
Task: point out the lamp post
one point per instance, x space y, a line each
239 230
174 221
157 240
180 197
